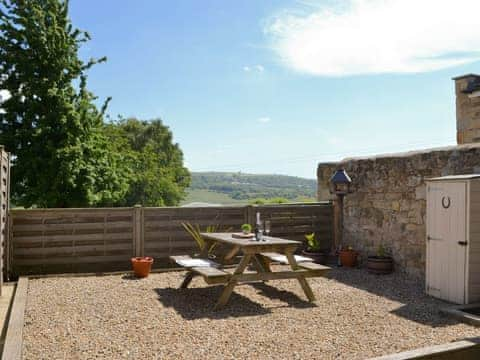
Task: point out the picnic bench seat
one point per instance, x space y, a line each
282 259
312 266
302 261
314 269
211 272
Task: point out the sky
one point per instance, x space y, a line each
278 86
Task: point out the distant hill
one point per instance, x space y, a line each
229 188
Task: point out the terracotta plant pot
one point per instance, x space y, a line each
348 258
142 266
318 257
380 264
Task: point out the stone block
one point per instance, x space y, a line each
393 196
415 217
395 205
404 205
411 227
421 192
414 181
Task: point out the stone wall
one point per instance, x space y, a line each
468 108
388 203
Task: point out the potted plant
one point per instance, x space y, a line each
348 257
246 229
380 263
195 233
142 266
313 250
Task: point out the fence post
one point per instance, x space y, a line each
4 208
249 215
138 230
9 246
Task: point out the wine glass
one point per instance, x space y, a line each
267 227
259 231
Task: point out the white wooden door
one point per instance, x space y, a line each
446 236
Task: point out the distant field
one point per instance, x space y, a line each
239 188
197 195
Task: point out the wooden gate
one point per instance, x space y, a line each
446 227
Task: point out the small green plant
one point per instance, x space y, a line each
381 251
246 228
312 243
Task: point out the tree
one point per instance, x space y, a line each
158 175
50 124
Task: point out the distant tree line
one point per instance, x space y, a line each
63 152
241 186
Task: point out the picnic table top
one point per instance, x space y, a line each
268 240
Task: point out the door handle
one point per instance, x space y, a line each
462 243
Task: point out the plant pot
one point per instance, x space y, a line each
380 264
142 266
318 256
348 258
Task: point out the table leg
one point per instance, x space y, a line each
262 263
227 291
188 279
301 279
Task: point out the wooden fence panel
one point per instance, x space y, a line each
90 240
71 240
296 220
164 234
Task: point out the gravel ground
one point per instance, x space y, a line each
356 316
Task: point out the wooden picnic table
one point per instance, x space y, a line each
258 255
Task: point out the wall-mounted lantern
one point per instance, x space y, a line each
340 185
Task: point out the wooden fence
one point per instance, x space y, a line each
93 240
4 201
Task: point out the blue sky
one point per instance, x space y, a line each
278 86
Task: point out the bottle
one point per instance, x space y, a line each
258 228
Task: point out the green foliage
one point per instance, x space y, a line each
381 251
262 201
195 233
247 228
241 186
50 124
312 243
206 196
158 176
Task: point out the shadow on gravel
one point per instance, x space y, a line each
417 305
292 299
131 277
198 303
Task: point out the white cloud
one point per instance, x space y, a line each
256 68
264 119
377 36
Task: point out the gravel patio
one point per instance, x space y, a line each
357 315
